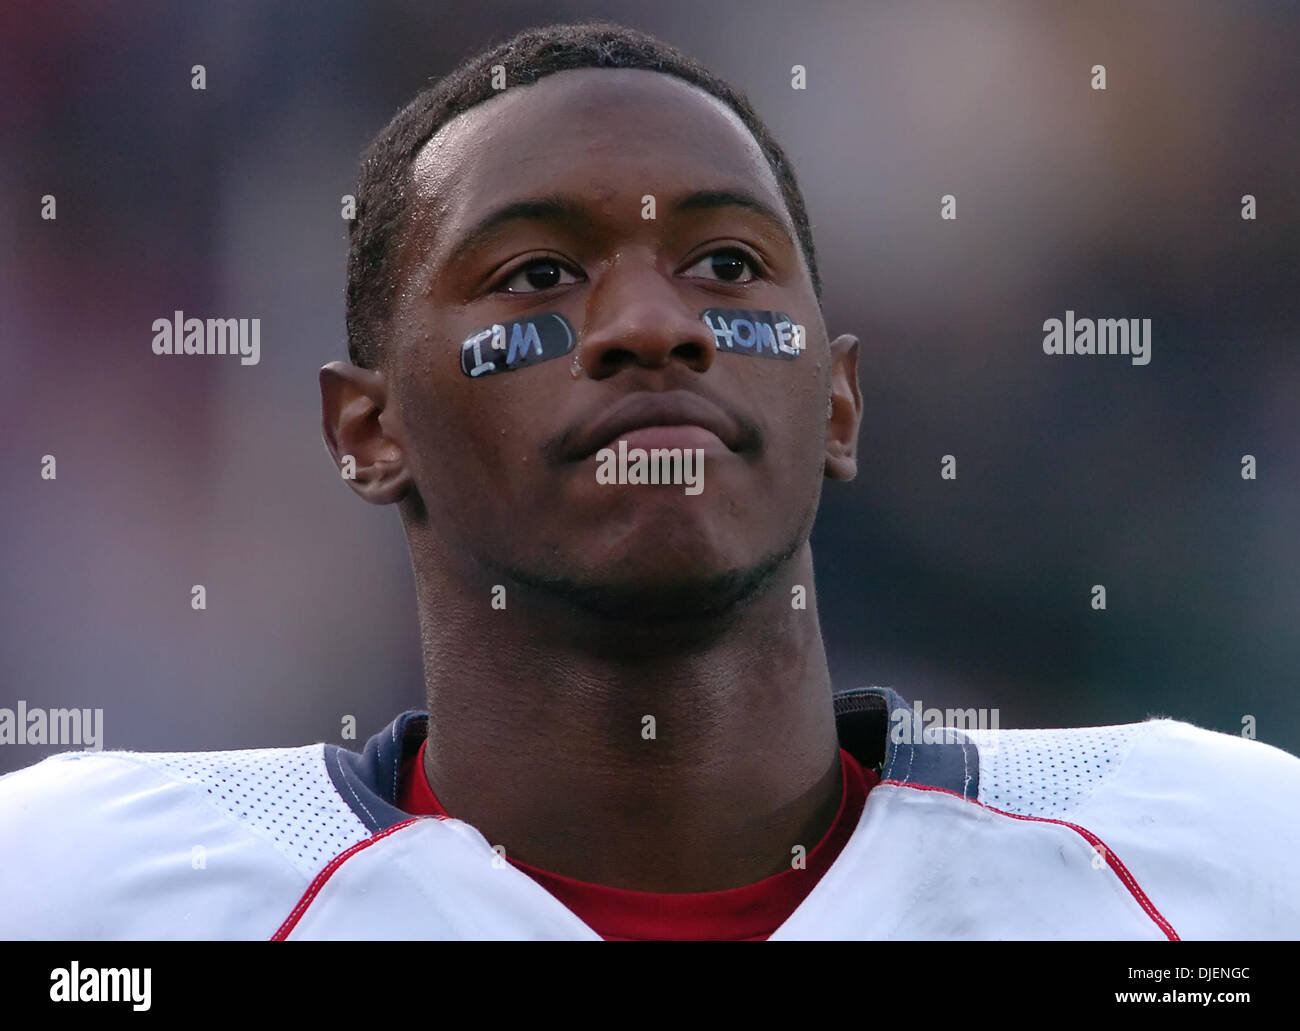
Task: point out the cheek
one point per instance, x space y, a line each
474 453
792 414
443 437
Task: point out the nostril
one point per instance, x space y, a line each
689 351
614 358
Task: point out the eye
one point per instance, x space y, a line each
537 275
728 265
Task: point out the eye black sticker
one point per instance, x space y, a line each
502 347
768 334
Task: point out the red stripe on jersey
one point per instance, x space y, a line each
748 913
1111 859
314 888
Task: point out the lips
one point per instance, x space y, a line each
650 408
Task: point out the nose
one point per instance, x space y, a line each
637 315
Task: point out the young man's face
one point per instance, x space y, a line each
503 463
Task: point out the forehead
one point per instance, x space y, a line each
610 135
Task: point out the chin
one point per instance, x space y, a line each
657 586
662 600
678 556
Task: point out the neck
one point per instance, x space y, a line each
671 758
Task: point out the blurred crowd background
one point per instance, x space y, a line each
974 592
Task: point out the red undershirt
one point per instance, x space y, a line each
748 913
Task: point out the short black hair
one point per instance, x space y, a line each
384 177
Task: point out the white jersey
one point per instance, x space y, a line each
1154 830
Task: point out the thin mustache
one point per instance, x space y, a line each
750 434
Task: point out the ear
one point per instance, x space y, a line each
356 422
845 414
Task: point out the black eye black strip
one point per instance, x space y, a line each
766 334
503 347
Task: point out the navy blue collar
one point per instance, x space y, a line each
867 720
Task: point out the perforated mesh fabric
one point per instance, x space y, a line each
1049 772
284 794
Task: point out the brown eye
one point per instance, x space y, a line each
727 265
538 274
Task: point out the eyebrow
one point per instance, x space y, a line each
558 210
711 200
